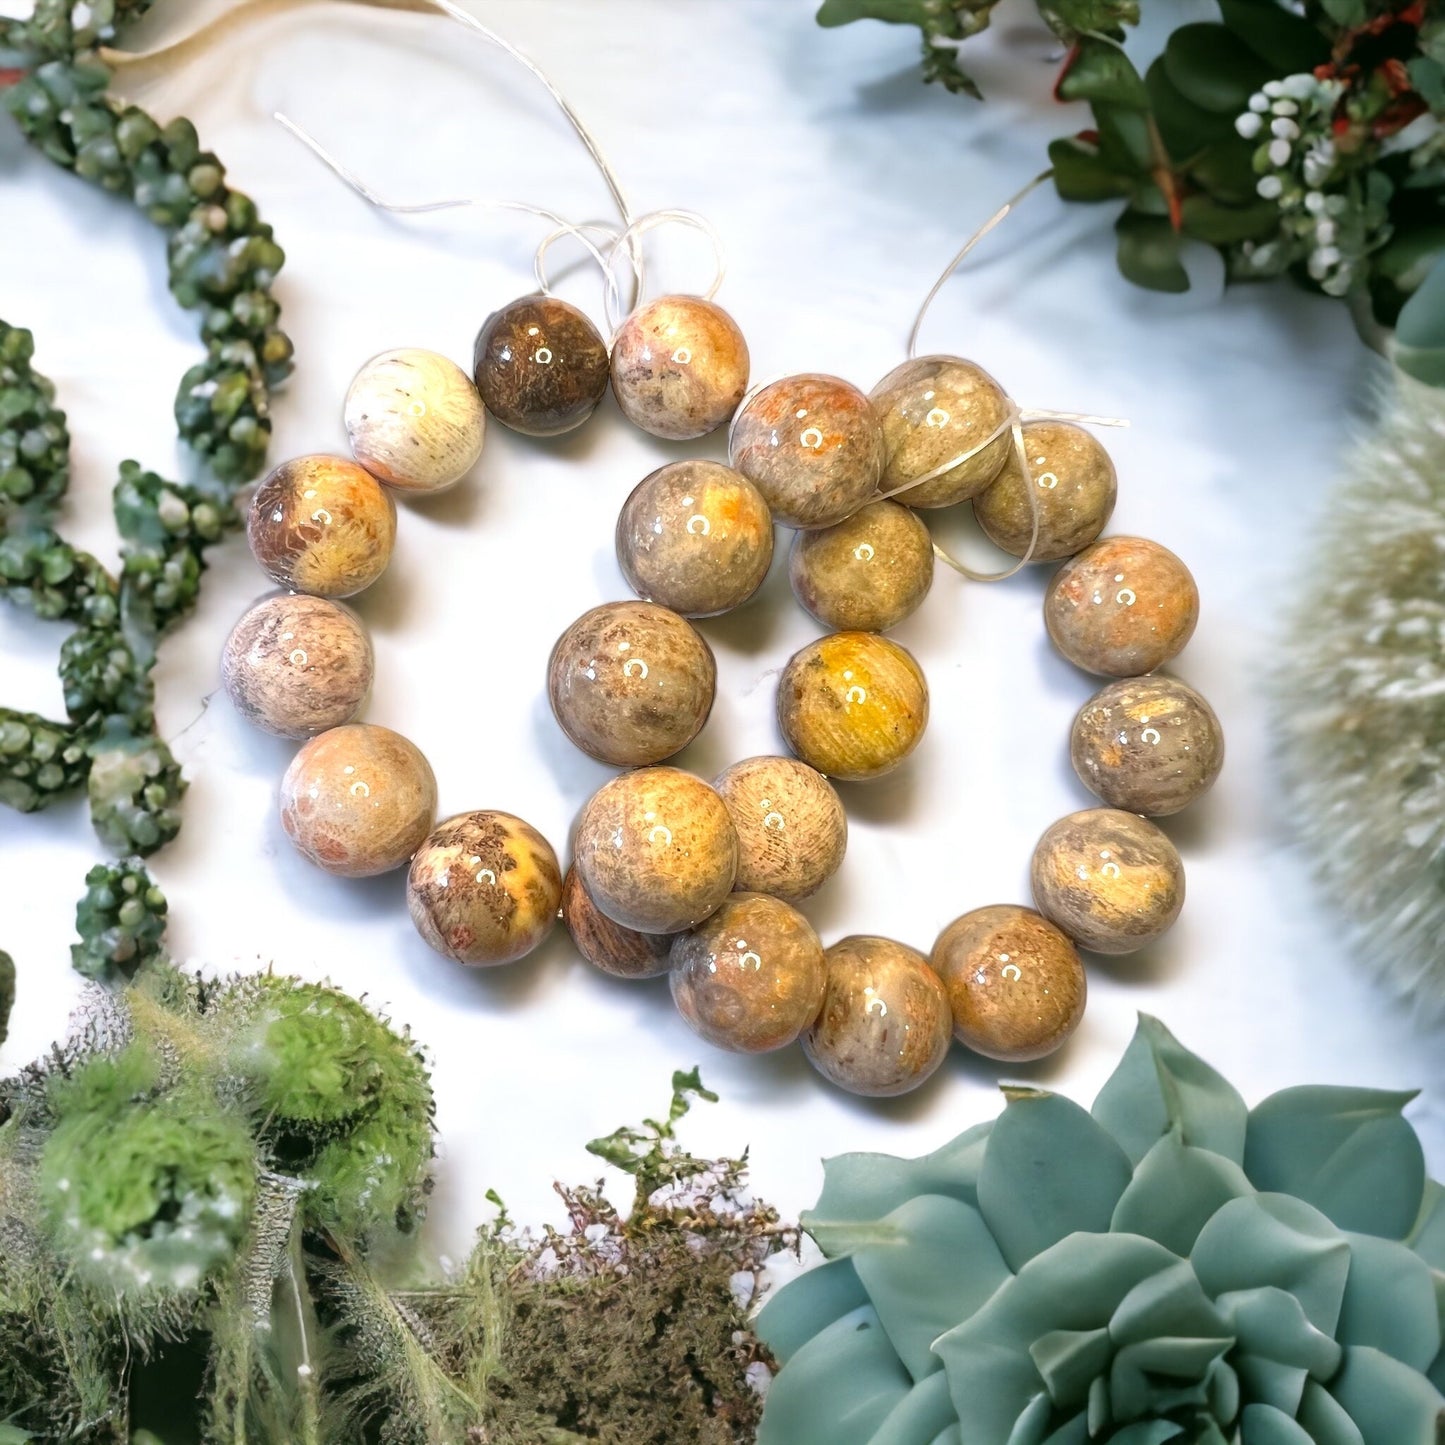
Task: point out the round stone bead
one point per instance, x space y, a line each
852 705
813 446
1147 745
933 409
695 536
751 977
792 830
622 952
1111 880
885 1024
414 420
1073 481
631 683
864 574
1122 607
484 888
679 367
1015 983
297 665
358 800
322 525
655 850
541 366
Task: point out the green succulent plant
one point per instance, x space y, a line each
1171 1267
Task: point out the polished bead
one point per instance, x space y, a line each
484 888
1148 745
852 704
792 830
933 409
865 574
1122 607
695 536
885 1025
322 525
1014 981
414 420
297 665
1109 879
1073 482
679 367
358 800
655 850
631 683
813 446
751 977
622 952
541 365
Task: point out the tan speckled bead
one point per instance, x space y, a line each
1075 485
792 830
885 1025
751 977
813 446
865 574
1015 983
358 800
932 409
297 665
631 683
655 850
695 536
1111 880
679 367
1148 745
414 420
484 888
322 525
853 705
1121 607
622 952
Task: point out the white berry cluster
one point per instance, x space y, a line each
1324 222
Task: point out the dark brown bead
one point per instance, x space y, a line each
540 365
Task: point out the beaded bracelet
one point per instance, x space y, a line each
671 874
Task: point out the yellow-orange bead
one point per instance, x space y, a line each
852 705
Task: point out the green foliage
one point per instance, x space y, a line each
7 992
1170 1267
121 922
1305 140
234 1170
222 263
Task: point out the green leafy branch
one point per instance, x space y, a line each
222 263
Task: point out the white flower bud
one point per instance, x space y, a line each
1325 232
1279 152
1285 107
1249 124
1299 87
1270 187
1315 202
1274 89
1259 102
1285 128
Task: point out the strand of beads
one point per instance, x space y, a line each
671 874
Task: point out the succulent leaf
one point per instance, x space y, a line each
1349 1152
1141 1274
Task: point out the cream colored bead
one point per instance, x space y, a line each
792 830
415 420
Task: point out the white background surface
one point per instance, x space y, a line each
840 186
